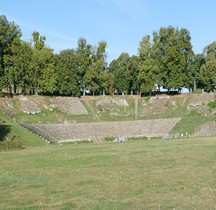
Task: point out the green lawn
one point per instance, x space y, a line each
9 130
139 174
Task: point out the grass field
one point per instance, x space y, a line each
9 129
139 174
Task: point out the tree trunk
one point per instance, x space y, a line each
195 86
14 87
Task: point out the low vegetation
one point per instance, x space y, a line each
13 136
140 174
212 104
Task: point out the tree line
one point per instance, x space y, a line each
165 59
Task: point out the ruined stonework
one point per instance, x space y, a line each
28 106
80 131
70 105
208 129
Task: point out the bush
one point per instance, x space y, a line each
13 144
74 142
212 104
138 138
109 138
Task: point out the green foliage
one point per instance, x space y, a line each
84 61
212 104
9 129
77 142
14 144
147 99
9 35
16 103
193 73
175 47
38 41
207 71
198 91
122 74
67 74
138 138
168 60
148 70
109 138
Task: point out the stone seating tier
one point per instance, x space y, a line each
81 131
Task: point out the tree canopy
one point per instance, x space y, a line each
165 59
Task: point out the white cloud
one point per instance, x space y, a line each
26 26
136 9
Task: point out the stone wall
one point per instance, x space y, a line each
80 131
208 129
28 106
70 105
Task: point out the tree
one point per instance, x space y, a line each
113 66
148 69
47 78
100 66
208 69
17 62
8 32
84 62
38 40
42 73
175 49
134 71
194 76
67 73
122 76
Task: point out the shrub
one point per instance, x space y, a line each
109 138
13 144
212 104
138 138
75 142
194 113
147 99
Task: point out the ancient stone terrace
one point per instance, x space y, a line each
28 106
208 129
81 131
70 105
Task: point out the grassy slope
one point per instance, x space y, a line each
28 138
190 120
157 174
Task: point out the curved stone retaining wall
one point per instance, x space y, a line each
79 131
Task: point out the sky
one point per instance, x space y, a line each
121 23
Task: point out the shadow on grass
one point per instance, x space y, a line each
4 130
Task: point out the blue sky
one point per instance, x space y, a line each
121 23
